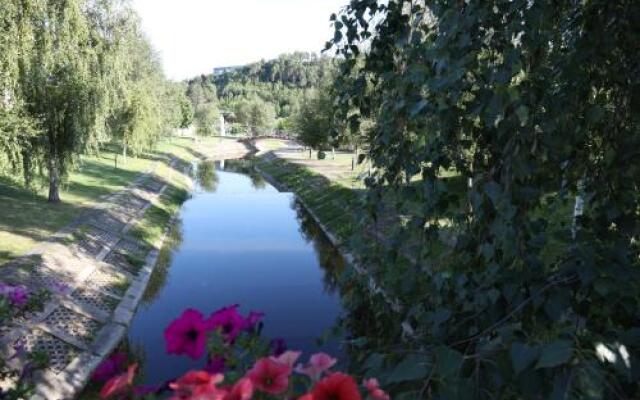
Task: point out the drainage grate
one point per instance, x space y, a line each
94 299
108 223
108 279
78 326
120 261
59 353
132 247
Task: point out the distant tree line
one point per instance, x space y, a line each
74 75
262 97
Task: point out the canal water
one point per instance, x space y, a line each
239 241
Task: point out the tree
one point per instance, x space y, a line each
207 117
187 112
313 123
256 115
534 103
61 83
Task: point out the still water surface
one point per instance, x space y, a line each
240 241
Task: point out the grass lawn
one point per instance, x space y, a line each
27 219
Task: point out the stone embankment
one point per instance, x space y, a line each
94 274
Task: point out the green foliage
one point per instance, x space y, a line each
207 118
75 74
277 85
526 101
256 115
314 123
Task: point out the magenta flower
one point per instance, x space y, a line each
215 365
252 320
112 366
20 296
228 321
187 335
17 295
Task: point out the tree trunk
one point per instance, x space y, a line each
54 180
124 151
309 152
26 168
578 208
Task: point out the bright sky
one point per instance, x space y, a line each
194 36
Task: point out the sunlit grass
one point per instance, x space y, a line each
27 219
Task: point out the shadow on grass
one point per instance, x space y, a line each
28 214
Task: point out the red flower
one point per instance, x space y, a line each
270 376
187 335
197 385
336 386
242 390
118 384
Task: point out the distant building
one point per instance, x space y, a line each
223 70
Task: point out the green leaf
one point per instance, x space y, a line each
554 354
419 106
522 356
448 361
412 368
523 115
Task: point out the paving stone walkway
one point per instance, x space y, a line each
94 275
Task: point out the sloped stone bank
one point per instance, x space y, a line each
95 274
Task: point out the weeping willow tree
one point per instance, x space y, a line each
73 75
18 130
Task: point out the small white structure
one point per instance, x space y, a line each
223 129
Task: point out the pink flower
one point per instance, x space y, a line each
242 390
373 387
198 385
109 368
270 376
318 364
288 357
118 384
228 321
187 335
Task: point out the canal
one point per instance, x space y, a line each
239 241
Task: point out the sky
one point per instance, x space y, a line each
194 36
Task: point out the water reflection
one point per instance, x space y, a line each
160 274
244 166
329 258
207 177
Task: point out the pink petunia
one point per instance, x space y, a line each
242 390
118 384
198 385
187 335
318 364
270 376
375 393
288 357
